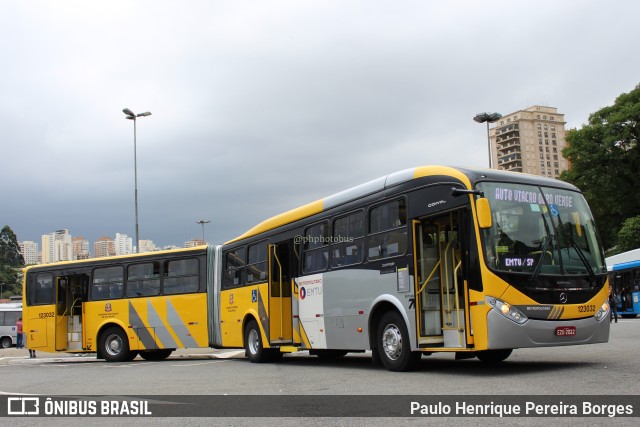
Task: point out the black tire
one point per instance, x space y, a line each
114 345
253 348
394 345
155 355
6 342
493 356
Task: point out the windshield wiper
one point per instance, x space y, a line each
575 246
592 274
545 245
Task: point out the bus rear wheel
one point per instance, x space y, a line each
394 344
5 342
154 355
493 356
114 345
253 348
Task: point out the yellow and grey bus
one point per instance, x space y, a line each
119 307
430 259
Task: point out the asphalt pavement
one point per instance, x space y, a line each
21 356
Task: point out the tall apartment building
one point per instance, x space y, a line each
123 244
147 246
80 248
104 247
530 141
56 247
29 251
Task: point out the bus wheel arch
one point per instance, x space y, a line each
113 344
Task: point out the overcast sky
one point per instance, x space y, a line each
261 106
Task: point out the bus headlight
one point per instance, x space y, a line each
602 312
507 310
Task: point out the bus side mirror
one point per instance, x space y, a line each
483 210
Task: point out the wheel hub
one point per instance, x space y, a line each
392 342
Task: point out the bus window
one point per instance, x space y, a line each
10 317
387 230
43 293
348 240
107 283
143 280
316 248
181 276
233 268
257 264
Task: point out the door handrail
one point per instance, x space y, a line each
435 268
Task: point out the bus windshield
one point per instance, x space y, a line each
541 231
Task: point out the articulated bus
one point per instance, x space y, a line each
624 277
430 259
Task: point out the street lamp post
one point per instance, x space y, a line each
202 222
488 118
132 116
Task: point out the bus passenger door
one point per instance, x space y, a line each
62 313
440 288
280 318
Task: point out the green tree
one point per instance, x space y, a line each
10 249
605 160
11 261
629 234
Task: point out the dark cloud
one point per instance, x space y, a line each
259 107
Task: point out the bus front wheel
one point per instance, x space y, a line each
114 345
394 344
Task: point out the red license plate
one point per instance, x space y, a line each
565 331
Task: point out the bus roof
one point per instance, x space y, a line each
624 260
108 259
10 306
468 176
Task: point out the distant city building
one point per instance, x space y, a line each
530 141
170 247
194 242
123 244
147 246
29 251
80 248
57 246
104 247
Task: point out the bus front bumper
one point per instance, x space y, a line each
504 333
